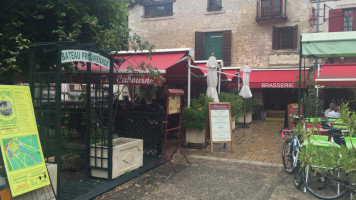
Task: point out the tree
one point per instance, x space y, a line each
23 23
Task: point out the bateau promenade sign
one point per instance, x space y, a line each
75 55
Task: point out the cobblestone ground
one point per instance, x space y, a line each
259 143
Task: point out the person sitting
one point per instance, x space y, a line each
329 109
334 112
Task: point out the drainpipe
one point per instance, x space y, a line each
317 16
189 61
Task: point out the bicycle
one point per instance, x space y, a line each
290 148
325 182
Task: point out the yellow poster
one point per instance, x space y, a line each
20 144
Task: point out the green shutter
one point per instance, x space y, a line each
213 43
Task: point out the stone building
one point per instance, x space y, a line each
263 34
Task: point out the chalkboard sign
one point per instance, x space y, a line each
220 124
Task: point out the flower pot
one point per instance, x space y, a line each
194 135
127 155
248 118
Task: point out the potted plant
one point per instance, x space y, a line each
194 119
250 105
236 104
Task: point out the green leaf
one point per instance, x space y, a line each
63 14
40 17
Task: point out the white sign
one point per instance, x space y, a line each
277 85
74 55
220 125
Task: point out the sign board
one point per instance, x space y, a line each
124 78
75 55
283 59
220 124
20 144
174 104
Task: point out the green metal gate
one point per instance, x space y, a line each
99 122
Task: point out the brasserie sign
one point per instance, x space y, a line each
74 55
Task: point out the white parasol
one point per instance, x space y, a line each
245 90
212 78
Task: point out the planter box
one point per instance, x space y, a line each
127 156
248 118
194 136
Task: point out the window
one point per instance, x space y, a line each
217 42
271 8
214 5
342 20
158 8
285 37
348 20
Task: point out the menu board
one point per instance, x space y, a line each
220 123
174 104
20 145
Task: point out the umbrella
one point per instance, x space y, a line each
245 90
212 78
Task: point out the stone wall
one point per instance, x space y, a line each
251 42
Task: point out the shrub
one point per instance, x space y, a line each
195 116
236 103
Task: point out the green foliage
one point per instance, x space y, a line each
236 103
103 22
250 104
311 103
332 156
195 116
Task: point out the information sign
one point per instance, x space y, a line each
174 104
220 124
20 145
74 55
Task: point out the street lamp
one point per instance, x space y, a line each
312 19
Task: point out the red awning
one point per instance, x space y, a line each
337 75
230 74
274 78
172 65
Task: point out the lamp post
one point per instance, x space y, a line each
312 19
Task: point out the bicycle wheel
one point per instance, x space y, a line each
287 156
324 187
297 177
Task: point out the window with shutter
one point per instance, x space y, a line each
285 37
217 42
214 5
342 20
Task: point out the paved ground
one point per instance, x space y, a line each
212 178
253 171
259 143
